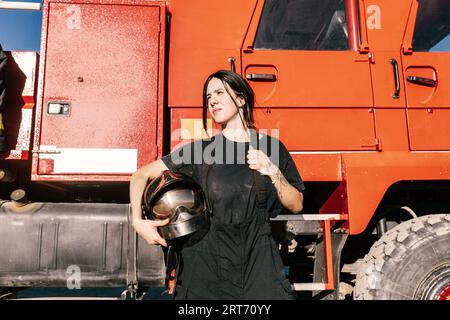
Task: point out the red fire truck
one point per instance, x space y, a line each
358 91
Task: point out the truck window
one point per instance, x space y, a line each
432 30
303 25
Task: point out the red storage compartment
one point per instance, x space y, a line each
100 96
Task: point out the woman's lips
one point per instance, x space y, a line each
216 110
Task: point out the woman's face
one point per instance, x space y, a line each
220 104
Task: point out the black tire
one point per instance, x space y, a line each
409 262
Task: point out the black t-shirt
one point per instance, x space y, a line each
230 182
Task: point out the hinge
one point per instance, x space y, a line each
248 49
370 142
369 58
407 48
364 48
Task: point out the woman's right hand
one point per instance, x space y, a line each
147 229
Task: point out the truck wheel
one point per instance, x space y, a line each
411 261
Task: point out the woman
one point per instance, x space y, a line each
237 258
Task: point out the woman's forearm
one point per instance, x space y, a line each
147 229
137 187
138 182
289 196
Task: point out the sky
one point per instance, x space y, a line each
20 29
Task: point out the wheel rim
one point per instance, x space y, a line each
445 294
435 285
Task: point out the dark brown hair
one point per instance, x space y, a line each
240 87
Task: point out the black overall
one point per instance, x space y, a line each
238 258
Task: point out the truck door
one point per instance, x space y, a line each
311 81
426 59
100 91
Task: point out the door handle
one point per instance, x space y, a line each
232 60
422 81
261 77
394 63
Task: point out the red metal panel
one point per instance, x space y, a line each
431 65
429 129
203 35
391 126
319 166
369 175
311 78
428 105
385 23
312 129
104 62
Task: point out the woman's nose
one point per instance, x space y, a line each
213 100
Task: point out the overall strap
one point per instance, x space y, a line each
205 170
260 183
172 269
261 192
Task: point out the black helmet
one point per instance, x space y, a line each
178 197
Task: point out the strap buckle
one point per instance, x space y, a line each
130 293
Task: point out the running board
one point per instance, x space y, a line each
325 220
313 286
310 217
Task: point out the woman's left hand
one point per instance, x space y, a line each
290 197
259 161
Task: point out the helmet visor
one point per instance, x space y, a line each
167 205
